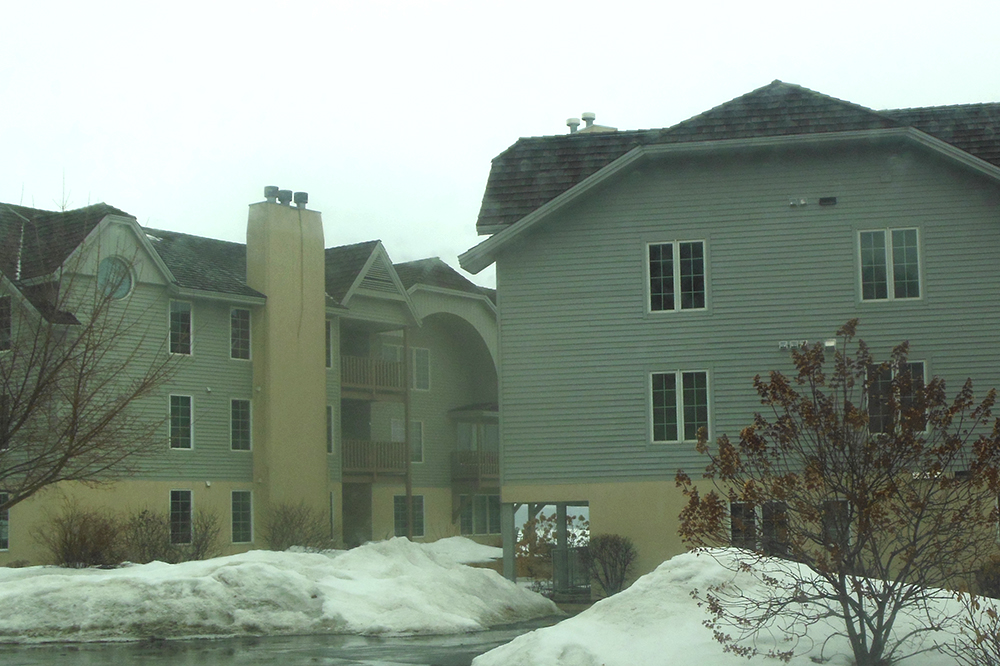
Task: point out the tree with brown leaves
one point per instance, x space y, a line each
853 499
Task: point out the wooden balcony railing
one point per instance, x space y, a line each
475 466
371 374
366 457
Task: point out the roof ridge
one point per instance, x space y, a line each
941 107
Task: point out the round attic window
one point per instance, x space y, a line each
114 278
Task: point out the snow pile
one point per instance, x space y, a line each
392 587
656 621
464 551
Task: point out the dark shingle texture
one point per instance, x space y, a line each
44 239
343 264
205 264
435 273
535 170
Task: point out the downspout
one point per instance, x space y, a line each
406 434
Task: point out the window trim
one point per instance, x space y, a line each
4 525
679 401
676 261
232 515
421 521
170 328
190 520
894 371
170 421
890 282
102 278
413 379
6 323
232 338
329 344
232 430
329 429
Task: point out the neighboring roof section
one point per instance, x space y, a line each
343 265
434 272
205 264
35 242
535 170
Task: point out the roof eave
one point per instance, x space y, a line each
482 255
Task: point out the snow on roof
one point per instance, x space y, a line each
392 587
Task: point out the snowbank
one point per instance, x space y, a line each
656 621
392 587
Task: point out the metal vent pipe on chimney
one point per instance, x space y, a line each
573 124
271 193
301 199
589 118
284 197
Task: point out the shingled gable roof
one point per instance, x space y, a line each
434 272
535 170
203 264
34 243
343 265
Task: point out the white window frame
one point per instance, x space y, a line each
249 424
894 371
890 282
249 334
170 327
676 263
679 398
170 421
423 517
232 517
170 515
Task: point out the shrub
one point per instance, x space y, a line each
610 558
288 525
146 537
82 538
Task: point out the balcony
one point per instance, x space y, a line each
371 378
370 459
475 467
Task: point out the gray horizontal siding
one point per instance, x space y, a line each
578 345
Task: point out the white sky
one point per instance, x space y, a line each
388 112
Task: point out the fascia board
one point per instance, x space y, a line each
484 254
454 292
239 299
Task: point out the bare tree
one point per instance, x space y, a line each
853 499
77 360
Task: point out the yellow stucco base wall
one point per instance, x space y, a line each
644 511
123 497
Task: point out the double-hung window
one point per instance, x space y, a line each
180 327
480 514
329 344
4 524
180 516
240 425
242 512
329 428
676 276
680 405
180 422
764 526
239 334
892 395
836 524
890 264
6 323
399 515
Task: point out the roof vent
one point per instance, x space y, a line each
572 124
271 193
284 197
589 117
301 199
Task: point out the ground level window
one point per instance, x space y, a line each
399 515
836 524
480 514
742 526
242 516
764 526
4 524
180 516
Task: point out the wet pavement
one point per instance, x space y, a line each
455 650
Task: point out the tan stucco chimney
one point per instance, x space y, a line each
285 262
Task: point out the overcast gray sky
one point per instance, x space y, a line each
389 112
